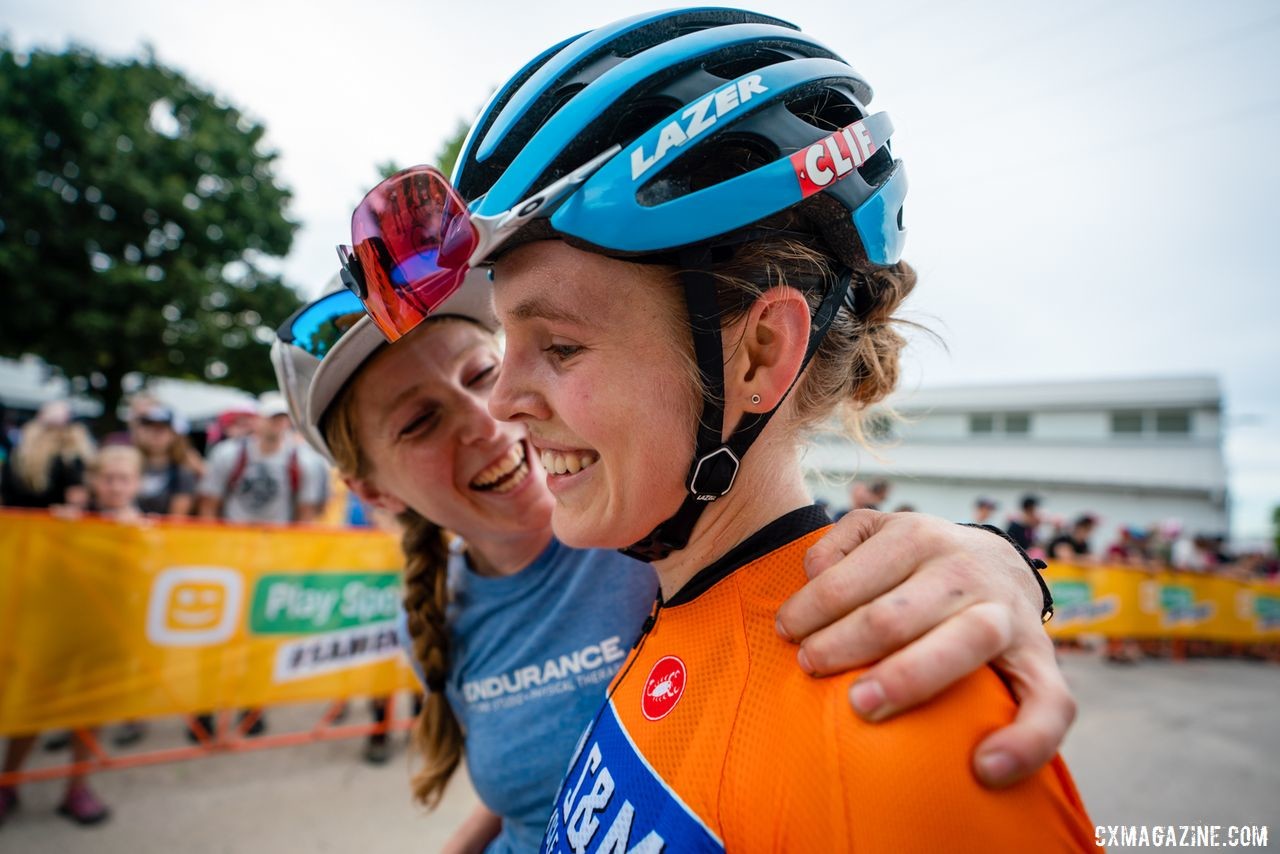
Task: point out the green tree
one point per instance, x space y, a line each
136 210
445 157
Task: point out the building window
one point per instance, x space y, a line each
982 422
1018 423
1008 423
1173 421
1126 422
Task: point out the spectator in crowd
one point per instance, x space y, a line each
1258 565
47 466
1164 540
265 476
1130 548
1190 554
139 403
1074 546
868 496
983 509
80 804
1022 528
1222 556
114 477
234 423
7 434
168 479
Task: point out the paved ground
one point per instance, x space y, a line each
1158 743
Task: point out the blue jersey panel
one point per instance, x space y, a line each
612 801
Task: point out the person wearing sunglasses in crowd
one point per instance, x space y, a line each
699 225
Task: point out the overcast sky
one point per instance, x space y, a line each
1093 184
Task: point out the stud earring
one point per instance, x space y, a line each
755 399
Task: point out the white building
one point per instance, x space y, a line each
1133 452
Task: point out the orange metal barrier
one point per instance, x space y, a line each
228 737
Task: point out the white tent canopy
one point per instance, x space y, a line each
29 382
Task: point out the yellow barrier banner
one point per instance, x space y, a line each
103 621
1128 602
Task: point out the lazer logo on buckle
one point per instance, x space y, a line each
830 159
696 119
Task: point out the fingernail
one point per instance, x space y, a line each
782 632
867 696
996 767
803 658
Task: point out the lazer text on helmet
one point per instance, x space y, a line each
695 119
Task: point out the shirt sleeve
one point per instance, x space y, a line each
907 784
315 477
185 483
217 472
836 783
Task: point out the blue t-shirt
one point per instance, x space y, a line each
531 656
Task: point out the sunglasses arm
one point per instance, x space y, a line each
493 231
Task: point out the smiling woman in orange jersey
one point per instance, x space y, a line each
700 230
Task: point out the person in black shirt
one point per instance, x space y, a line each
1074 545
1023 528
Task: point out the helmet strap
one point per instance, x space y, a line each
715 460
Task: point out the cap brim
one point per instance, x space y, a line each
340 364
472 301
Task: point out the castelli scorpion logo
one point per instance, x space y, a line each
663 688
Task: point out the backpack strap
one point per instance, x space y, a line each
295 482
237 470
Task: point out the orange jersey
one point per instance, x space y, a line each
714 739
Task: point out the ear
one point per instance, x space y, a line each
368 492
769 353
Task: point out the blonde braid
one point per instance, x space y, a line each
438 735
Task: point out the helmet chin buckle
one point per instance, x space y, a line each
714 474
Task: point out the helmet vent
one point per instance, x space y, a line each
714 162
741 65
827 110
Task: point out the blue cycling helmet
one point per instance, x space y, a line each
724 118
686 132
